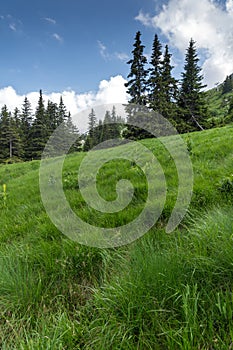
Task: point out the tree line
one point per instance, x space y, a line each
24 134
150 83
109 128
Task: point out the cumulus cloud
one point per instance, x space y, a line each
110 91
209 24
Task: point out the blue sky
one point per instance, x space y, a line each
79 48
60 44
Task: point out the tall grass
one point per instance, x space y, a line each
161 292
172 292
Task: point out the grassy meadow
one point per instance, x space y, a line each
163 291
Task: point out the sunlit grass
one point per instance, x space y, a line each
163 291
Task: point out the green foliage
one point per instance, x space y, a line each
138 74
170 292
220 106
10 142
227 84
161 85
108 129
193 109
226 185
23 137
185 108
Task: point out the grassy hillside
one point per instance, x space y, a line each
218 103
164 291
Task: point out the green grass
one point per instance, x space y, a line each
218 104
164 291
171 291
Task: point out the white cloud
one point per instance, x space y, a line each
12 23
122 56
110 91
57 37
109 56
12 26
210 25
103 50
144 18
9 97
229 6
50 20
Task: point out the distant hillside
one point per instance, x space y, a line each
219 99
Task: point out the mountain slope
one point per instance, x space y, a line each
218 100
169 291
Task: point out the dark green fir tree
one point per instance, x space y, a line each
137 89
192 105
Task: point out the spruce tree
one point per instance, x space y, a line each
26 125
169 88
116 126
62 112
52 117
73 131
91 139
10 142
137 89
40 129
227 84
155 93
107 127
193 109
138 74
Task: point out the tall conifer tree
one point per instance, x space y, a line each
137 89
169 88
40 129
193 108
138 74
155 92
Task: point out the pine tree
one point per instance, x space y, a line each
138 74
10 142
52 117
227 84
116 126
169 88
73 131
26 115
137 89
62 112
107 127
193 108
40 129
91 140
155 87
25 128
